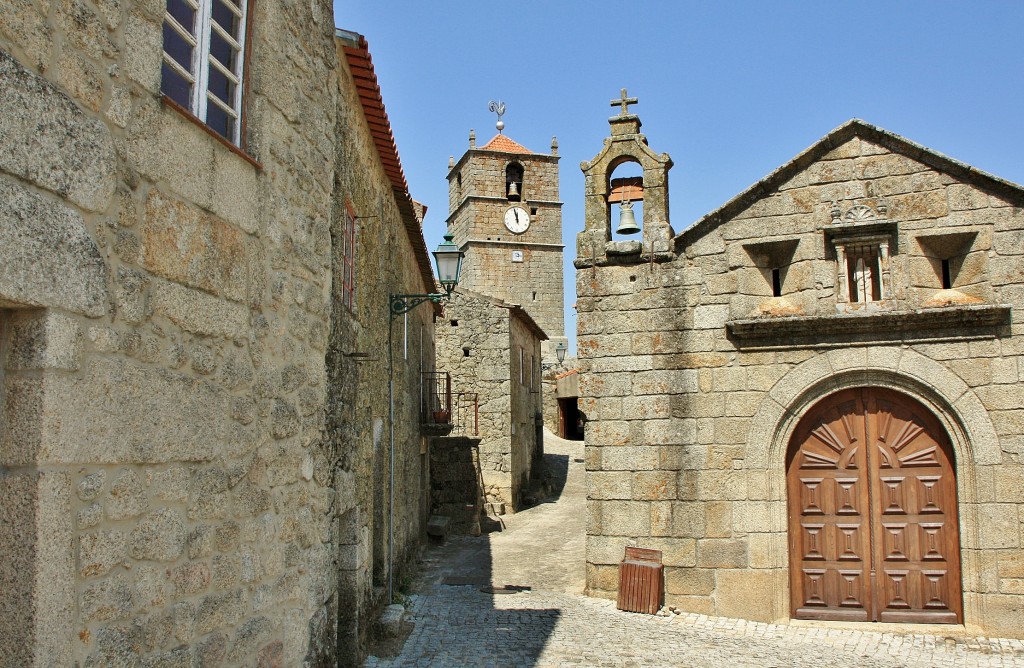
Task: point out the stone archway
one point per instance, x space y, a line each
871 493
961 414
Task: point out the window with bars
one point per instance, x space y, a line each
204 47
348 258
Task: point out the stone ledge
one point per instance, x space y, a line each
974 321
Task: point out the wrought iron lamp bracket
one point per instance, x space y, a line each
400 304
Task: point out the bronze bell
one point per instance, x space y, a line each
627 221
513 189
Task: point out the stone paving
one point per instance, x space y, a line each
552 624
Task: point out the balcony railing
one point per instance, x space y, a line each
440 409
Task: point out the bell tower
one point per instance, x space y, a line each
504 212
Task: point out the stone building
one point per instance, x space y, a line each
195 254
505 213
810 399
493 351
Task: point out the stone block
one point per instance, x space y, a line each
188 246
755 516
629 457
654 485
688 519
747 594
44 340
721 553
106 600
1000 527
100 551
661 518
625 518
199 312
670 432
609 485
71 154
159 536
172 417
718 519
675 552
219 610
127 497
606 549
689 581
26 25
47 257
713 316
1003 613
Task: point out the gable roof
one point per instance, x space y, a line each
502 143
845 132
357 55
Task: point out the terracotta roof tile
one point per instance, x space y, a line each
505 145
376 115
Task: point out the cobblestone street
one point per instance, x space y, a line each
552 624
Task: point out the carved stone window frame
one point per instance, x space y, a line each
847 236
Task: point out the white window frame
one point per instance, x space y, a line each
202 60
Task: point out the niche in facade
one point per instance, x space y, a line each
514 182
957 268
772 260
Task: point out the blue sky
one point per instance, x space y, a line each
730 90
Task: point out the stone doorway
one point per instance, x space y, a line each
570 419
873 532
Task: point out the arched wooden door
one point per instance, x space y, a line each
873 533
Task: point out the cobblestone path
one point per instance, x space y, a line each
551 624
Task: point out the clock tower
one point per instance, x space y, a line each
505 214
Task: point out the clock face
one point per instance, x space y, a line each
517 220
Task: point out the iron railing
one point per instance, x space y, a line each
467 414
440 407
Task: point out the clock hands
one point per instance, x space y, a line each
516 212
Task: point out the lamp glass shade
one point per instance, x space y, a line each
560 351
449 262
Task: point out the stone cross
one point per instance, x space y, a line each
624 103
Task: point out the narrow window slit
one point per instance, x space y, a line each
776 282
947 281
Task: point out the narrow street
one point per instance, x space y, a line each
537 614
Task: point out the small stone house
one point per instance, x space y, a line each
493 351
810 399
198 235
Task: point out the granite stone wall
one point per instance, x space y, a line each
479 343
359 420
693 374
170 491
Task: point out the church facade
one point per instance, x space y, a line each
810 399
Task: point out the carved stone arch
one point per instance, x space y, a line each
962 415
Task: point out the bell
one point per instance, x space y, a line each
627 221
513 189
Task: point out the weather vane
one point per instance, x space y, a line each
497 108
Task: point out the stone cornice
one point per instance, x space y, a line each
517 244
950 322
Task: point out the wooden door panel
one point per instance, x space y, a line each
828 501
872 504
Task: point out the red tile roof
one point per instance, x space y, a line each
505 145
361 66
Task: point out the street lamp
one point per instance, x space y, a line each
448 257
560 349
